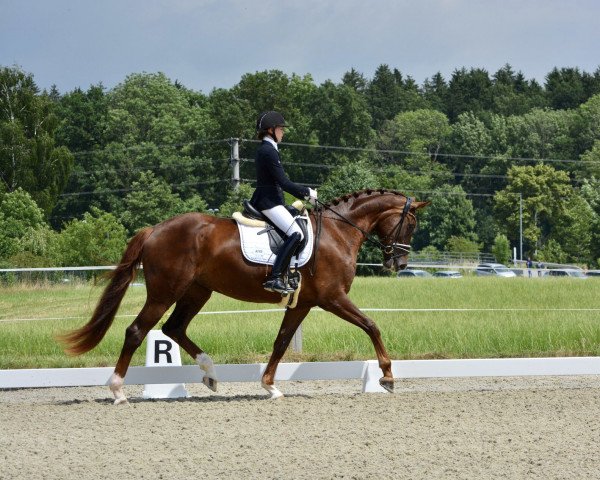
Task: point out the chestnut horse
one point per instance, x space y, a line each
188 257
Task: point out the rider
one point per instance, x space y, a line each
271 181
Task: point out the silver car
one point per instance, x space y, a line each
566 272
413 273
448 274
494 269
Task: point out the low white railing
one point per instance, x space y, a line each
368 371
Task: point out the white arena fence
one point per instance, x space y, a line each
367 371
69 274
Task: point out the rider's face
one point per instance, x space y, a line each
279 131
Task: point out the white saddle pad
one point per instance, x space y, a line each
255 247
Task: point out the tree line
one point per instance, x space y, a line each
81 171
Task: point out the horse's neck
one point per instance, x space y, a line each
361 213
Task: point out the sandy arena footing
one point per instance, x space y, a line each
474 428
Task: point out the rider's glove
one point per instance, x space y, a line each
312 196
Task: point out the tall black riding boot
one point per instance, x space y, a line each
275 281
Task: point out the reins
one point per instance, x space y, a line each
389 249
368 236
319 223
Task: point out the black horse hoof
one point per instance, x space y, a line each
387 384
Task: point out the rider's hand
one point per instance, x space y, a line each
312 196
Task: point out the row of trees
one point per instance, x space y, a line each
479 146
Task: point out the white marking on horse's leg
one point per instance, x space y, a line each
273 391
206 364
116 386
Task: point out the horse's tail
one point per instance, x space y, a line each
87 337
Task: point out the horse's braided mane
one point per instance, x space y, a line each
360 193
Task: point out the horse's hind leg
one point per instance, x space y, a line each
292 319
345 309
175 327
134 336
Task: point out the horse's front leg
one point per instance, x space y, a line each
344 308
291 320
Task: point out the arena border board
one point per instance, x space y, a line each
368 371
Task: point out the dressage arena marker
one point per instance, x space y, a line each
163 351
368 371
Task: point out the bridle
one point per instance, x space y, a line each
394 249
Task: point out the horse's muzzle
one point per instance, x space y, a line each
396 264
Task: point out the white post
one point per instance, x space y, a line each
371 376
520 226
297 340
235 162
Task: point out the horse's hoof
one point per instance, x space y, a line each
210 383
121 401
274 392
387 384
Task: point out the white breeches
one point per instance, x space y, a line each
283 219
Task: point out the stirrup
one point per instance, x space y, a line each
277 285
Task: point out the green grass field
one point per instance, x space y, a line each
502 318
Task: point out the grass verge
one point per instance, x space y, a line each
501 318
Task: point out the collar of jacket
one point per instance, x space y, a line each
272 142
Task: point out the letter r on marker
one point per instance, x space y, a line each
167 346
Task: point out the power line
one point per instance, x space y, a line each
121 190
498 156
225 163
124 148
451 155
414 172
81 173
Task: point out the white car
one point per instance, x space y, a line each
494 269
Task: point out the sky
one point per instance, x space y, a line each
206 44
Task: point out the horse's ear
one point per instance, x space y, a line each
418 205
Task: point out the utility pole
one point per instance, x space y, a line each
521 226
235 162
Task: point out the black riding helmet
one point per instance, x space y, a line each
271 119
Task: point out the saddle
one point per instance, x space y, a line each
262 249
252 217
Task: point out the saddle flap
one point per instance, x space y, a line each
276 237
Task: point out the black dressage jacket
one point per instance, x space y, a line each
271 180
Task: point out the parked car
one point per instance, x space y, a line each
592 273
494 269
565 272
413 273
448 274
